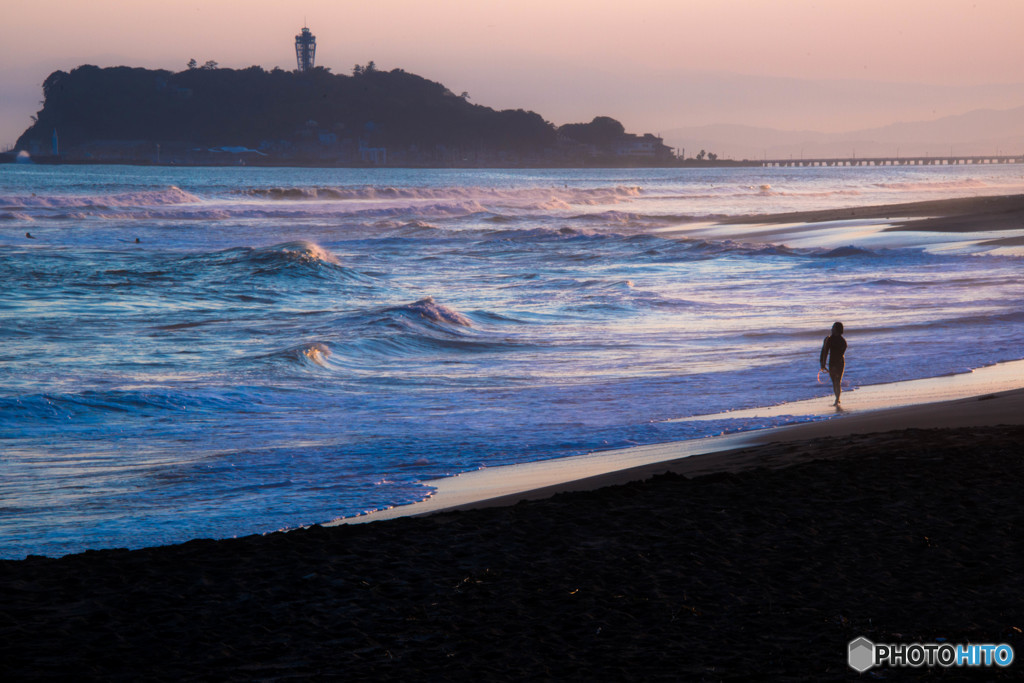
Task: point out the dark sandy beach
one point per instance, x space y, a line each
906 536
966 214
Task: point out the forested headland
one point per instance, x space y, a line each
209 115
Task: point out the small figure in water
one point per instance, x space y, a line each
29 235
834 348
136 240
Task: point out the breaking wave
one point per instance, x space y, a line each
296 252
299 258
166 197
540 198
431 311
311 356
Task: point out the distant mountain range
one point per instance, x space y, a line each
983 131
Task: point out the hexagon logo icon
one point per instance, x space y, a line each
861 654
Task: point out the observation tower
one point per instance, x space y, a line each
305 50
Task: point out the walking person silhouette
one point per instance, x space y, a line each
834 349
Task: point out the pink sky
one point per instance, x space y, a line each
645 62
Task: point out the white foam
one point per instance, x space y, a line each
991 379
168 196
475 487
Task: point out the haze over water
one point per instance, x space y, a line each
288 346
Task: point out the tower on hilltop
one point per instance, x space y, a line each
305 50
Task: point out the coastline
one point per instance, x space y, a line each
765 553
769 558
629 163
961 214
987 396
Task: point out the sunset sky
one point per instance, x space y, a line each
653 64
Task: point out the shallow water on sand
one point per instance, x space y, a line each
288 346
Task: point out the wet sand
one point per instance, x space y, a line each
985 396
967 225
967 214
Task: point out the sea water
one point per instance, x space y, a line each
212 352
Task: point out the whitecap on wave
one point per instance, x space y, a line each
299 251
430 310
164 197
305 355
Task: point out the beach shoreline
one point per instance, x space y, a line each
960 214
766 555
767 559
954 401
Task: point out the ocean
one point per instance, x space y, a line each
215 352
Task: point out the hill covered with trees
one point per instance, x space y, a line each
212 115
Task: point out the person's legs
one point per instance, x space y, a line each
836 373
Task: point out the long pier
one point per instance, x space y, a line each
899 161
